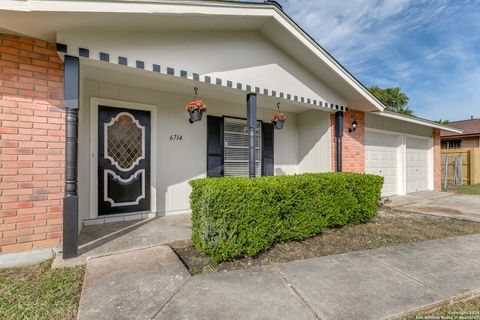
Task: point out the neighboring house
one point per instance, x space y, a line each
465 144
103 84
469 138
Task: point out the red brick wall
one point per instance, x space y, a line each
353 148
353 144
437 161
31 144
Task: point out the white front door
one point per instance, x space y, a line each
381 159
417 150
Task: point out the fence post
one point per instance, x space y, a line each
460 170
445 181
475 166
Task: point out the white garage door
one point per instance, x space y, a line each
417 164
381 159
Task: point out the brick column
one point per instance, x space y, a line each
32 144
354 142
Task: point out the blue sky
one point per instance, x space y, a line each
431 48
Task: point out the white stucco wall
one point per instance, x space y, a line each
296 149
314 152
246 57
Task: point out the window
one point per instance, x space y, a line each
235 137
452 144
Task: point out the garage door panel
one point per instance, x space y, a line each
381 159
417 151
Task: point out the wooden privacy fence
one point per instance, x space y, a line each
460 166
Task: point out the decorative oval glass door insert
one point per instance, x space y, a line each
123 160
125 145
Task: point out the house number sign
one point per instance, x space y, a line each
176 137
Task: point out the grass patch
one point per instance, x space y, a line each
466 189
387 229
466 309
39 292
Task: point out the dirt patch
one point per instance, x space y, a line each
441 210
466 306
388 228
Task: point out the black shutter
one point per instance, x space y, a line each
214 146
267 149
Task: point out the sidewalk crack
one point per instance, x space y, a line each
170 298
405 274
462 258
295 291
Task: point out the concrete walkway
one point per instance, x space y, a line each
374 284
445 204
116 237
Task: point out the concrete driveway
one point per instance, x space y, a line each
445 204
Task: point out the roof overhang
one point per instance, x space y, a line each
418 121
459 135
44 18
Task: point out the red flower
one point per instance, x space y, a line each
196 104
279 116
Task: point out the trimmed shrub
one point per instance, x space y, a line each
241 216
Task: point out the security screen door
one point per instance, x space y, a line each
123 160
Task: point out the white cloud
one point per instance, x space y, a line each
430 48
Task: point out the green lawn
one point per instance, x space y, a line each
39 292
467 189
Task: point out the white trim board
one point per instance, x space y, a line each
415 120
94 104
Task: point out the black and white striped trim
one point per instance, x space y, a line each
105 57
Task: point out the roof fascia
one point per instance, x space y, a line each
415 120
316 48
460 136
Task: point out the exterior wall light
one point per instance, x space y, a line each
354 126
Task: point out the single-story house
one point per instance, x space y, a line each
469 138
94 128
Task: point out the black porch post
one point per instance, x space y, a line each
252 126
338 138
70 201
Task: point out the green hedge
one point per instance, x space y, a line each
241 216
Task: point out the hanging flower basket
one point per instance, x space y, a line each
195 109
278 119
